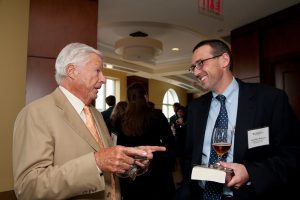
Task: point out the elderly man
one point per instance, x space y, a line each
61 146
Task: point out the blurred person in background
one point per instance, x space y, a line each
180 128
111 102
142 125
116 117
174 117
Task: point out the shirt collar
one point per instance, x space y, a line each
228 93
75 101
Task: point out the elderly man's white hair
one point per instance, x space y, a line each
74 53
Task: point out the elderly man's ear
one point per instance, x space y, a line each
71 71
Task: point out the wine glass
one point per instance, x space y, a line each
131 173
135 170
221 142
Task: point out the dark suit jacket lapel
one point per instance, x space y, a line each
201 111
244 121
73 119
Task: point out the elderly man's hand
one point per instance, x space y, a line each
118 159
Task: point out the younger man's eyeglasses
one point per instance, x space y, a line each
199 64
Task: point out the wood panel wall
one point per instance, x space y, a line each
267 51
52 25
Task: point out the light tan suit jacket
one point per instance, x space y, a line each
53 152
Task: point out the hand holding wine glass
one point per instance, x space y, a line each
221 142
135 169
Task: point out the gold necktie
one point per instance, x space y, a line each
90 123
91 126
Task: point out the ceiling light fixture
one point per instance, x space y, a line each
109 66
138 47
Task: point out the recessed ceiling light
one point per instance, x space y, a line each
175 49
109 66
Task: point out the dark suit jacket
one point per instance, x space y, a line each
106 116
106 113
270 167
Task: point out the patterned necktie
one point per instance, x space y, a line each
213 190
90 124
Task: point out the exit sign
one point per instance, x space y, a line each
211 7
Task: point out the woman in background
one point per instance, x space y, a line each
115 119
180 128
143 125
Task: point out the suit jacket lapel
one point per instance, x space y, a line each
202 111
245 120
73 119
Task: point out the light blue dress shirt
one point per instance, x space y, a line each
231 93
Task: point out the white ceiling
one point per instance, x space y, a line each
176 23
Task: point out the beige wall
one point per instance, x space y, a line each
14 16
123 80
157 90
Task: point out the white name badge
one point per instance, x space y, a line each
258 137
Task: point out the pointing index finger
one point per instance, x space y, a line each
132 151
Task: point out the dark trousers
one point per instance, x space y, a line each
192 191
189 190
